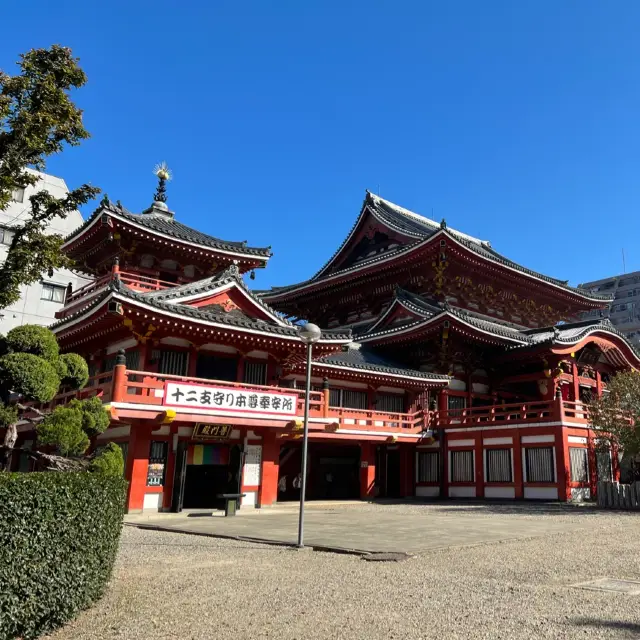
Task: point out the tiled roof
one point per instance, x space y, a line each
421 228
428 310
230 275
354 356
168 226
231 319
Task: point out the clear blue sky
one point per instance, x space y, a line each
518 122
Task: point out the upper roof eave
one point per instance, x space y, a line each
178 233
276 293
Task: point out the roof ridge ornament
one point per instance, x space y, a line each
443 224
233 269
159 206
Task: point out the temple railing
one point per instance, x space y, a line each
149 389
135 281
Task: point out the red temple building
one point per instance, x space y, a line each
444 369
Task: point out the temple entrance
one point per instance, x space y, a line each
388 471
332 472
211 469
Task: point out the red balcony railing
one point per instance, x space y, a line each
147 388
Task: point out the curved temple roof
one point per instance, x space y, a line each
167 226
419 229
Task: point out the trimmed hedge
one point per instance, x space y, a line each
59 536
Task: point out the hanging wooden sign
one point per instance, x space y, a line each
211 431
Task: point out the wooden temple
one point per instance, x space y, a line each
444 369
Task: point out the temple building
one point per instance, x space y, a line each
521 363
443 370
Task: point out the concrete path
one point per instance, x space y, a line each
409 527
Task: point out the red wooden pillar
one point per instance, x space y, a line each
137 466
598 384
517 466
170 469
268 492
193 361
576 382
562 464
119 382
367 470
240 370
407 473
479 457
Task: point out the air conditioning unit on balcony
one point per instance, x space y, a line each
115 307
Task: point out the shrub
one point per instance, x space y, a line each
31 338
73 370
95 418
59 536
109 462
62 428
29 375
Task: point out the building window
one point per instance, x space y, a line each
18 195
173 363
539 461
428 466
6 236
462 466
390 402
579 464
157 462
498 465
255 373
603 466
53 292
456 405
348 399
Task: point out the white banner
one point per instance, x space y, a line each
202 396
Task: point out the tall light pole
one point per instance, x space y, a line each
309 333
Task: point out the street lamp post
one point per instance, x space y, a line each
309 333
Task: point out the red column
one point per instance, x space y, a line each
479 454
598 384
407 474
367 470
562 461
517 465
576 383
268 493
240 370
119 382
137 466
170 470
193 362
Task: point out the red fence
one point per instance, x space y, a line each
145 388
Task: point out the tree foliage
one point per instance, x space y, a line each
110 462
616 415
37 118
32 370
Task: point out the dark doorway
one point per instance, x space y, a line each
213 367
393 473
333 472
210 471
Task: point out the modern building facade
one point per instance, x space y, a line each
40 301
444 369
624 310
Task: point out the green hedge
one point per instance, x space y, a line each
59 536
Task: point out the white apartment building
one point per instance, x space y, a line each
39 301
624 311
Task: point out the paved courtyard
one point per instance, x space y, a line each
405 527
170 585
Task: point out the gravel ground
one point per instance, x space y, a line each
170 585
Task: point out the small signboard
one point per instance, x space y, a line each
211 431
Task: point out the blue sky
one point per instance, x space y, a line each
518 122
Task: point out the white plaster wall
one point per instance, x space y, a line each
31 309
427 492
499 492
152 502
462 492
540 493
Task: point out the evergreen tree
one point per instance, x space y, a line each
37 118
